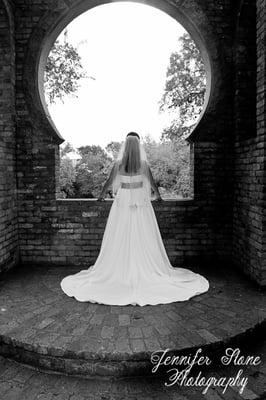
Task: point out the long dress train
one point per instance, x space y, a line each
132 266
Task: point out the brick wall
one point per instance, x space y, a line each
56 230
246 70
60 231
8 204
249 196
70 231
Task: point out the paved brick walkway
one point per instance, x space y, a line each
41 326
18 382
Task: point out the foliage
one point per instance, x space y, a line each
169 159
67 148
113 149
169 162
91 171
67 177
184 89
182 158
91 150
62 72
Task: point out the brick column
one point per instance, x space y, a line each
8 203
261 112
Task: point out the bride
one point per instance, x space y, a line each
132 266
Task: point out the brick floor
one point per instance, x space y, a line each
41 326
19 382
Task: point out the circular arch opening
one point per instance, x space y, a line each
166 9
87 5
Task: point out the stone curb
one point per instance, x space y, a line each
113 364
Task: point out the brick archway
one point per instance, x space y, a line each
224 225
198 228
206 227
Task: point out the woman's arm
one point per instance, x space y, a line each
153 185
108 183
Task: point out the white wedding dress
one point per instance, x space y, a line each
132 266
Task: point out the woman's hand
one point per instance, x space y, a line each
107 184
101 198
158 198
154 186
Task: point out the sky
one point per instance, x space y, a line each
126 47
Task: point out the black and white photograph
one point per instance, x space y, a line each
132 200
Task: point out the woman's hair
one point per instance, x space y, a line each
133 134
131 155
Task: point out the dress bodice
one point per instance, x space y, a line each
131 178
132 190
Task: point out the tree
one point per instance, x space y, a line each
91 171
67 177
113 149
66 148
184 89
63 72
170 166
91 150
183 97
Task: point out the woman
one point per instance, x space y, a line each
132 266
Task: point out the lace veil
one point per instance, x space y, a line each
133 141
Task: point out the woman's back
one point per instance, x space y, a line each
122 171
132 188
